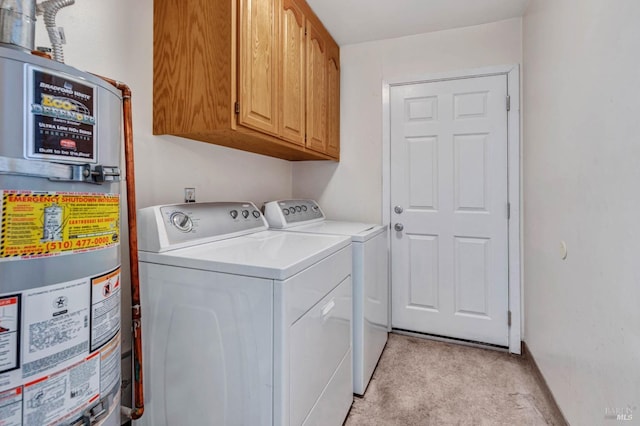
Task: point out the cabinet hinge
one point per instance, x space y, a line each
508 210
509 318
237 108
508 103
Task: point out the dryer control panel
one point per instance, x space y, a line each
283 214
169 227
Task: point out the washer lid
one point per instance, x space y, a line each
359 232
267 254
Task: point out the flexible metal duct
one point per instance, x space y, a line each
49 9
18 23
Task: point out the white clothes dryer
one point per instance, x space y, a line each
370 276
241 325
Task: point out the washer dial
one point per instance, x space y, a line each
181 221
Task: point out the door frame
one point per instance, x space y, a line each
514 174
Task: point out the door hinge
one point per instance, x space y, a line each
509 318
508 103
508 210
237 107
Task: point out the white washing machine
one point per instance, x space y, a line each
241 325
370 277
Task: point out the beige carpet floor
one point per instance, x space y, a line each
424 382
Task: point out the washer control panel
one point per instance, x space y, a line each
162 228
283 214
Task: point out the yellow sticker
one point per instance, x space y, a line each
39 224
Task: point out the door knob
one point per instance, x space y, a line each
398 227
398 209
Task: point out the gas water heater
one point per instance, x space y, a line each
60 278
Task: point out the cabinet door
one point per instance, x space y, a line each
258 32
316 89
292 86
333 102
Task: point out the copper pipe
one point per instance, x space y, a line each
136 314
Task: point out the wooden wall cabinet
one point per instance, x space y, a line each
333 101
258 75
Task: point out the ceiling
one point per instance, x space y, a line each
356 21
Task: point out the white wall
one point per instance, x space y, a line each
582 174
351 189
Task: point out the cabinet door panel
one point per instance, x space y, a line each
292 92
258 65
316 90
333 103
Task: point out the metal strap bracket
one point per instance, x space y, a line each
97 174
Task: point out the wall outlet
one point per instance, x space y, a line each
189 195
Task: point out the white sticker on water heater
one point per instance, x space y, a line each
60 397
56 326
105 308
110 366
48 335
11 407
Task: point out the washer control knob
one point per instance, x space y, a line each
256 214
304 208
315 208
182 221
245 213
286 212
298 209
234 213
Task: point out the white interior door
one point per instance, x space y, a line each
449 195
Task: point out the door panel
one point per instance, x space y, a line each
316 90
423 284
449 176
423 172
333 102
471 286
258 65
470 184
292 95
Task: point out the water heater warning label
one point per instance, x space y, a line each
11 407
9 332
38 224
105 308
51 372
56 326
62 396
